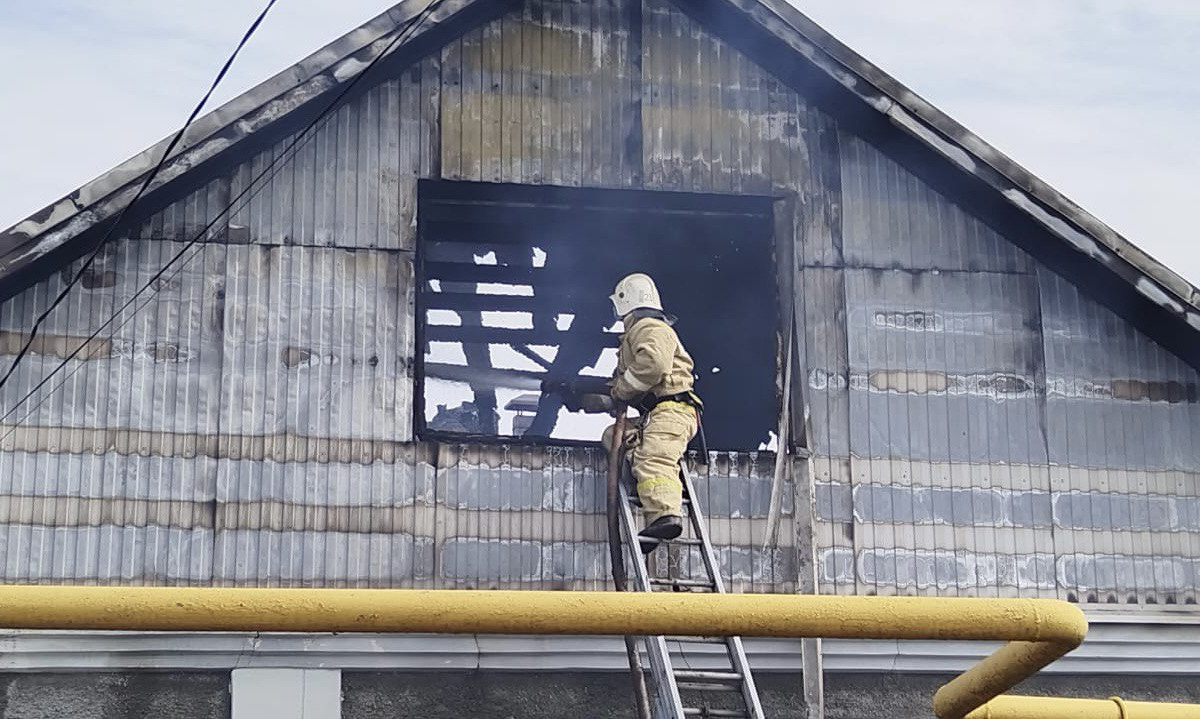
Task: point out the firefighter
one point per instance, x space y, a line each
654 375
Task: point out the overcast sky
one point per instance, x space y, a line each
1098 97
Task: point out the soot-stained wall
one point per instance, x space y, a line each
977 423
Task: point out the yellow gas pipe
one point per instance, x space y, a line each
1021 707
1038 630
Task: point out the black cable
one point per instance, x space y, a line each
141 191
272 168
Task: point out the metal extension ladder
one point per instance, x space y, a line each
732 690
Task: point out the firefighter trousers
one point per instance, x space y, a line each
656 443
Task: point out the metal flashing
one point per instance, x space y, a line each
1117 644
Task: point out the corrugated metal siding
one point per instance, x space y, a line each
944 366
284 354
545 96
275 343
712 120
317 343
893 219
1116 400
978 427
103 470
943 380
106 518
1124 436
924 372
1006 435
156 368
248 428
351 182
549 97
325 523
534 517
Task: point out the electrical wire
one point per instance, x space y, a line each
112 228
413 25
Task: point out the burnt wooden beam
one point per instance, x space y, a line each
532 356
462 301
495 194
501 274
504 336
571 215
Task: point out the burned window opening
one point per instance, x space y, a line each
513 289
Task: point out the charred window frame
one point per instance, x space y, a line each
512 287
792 378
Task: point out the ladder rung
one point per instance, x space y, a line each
694 640
694 712
668 582
680 542
702 676
665 580
707 687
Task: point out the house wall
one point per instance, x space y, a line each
988 429
135 674
978 426
490 694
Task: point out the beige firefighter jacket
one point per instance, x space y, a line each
651 359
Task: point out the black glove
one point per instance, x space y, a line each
597 403
563 389
555 386
590 385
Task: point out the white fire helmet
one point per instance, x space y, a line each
635 292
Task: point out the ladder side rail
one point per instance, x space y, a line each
667 702
737 652
616 559
629 540
700 527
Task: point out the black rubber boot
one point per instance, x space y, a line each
668 526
